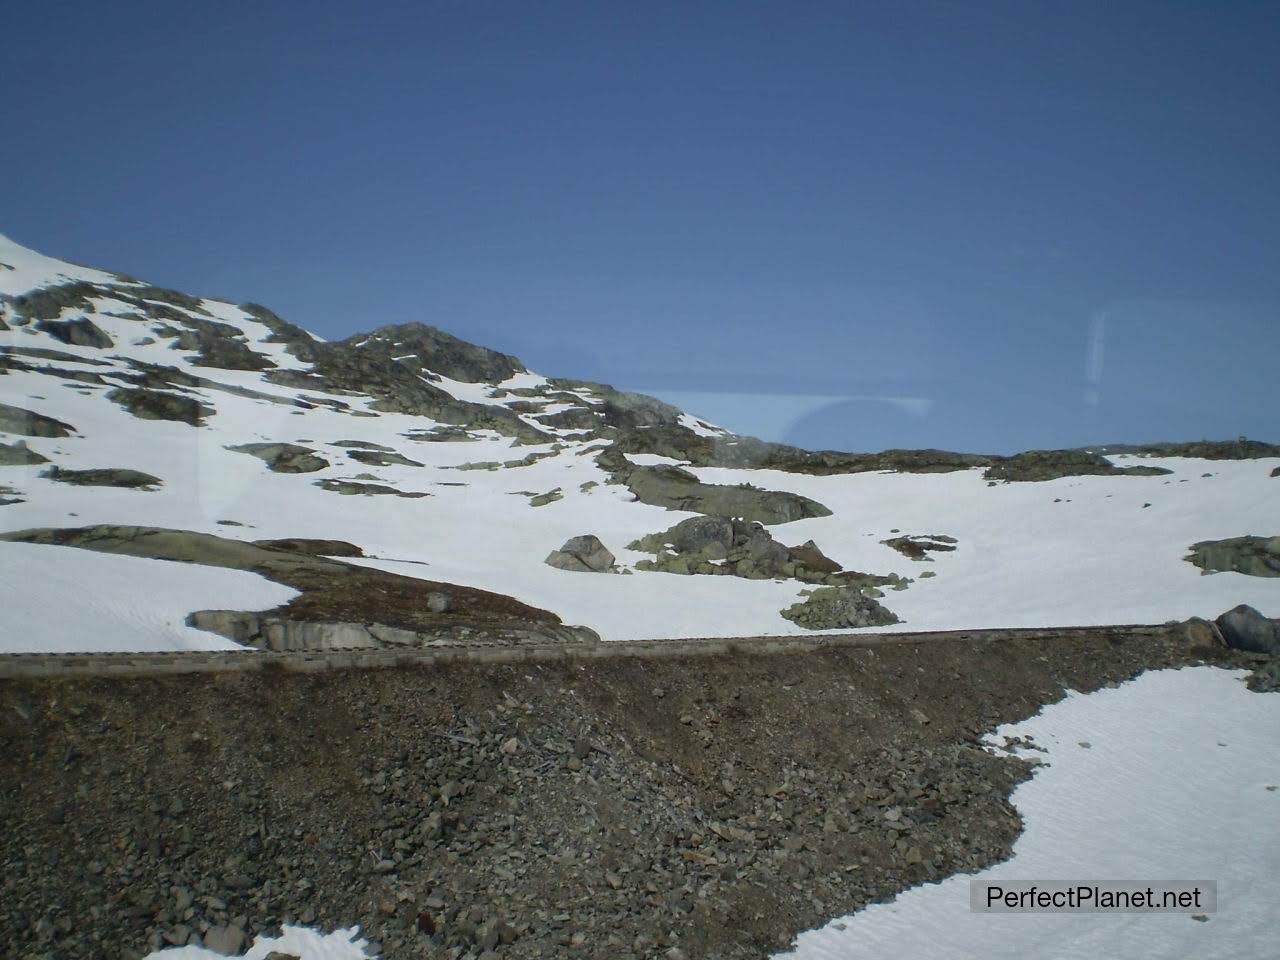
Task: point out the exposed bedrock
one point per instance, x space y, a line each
28 423
1253 556
741 548
677 489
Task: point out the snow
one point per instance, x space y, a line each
25 270
1075 551
301 942
77 601
1178 785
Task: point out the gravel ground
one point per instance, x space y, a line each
608 808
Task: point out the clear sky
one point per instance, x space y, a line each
979 226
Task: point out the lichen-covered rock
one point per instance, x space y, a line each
17 455
104 477
1253 556
835 608
808 555
160 405
382 458
583 554
677 489
80 332
918 547
1037 465
284 457
28 423
353 488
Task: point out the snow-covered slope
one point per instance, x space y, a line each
1133 793
99 352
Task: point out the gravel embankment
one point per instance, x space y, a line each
609 808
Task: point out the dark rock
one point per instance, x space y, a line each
284 457
28 423
315 548
109 477
810 556
354 488
80 332
677 489
918 547
378 458
1244 628
160 405
17 455
1038 465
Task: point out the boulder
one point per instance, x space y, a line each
107 477
810 556
677 489
1200 634
31 424
834 608
1252 556
161 405
80 332
583 554
1244 628
284 457
17 455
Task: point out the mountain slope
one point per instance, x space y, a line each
449 462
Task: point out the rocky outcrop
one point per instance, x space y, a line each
385 606
109 477
723 546
810 557
583 554
677 489
381 458
17 455
313 548
28 423
430 352
1037 465
80 332
161 405
1254 556
918 547
352 488
1244 628
835 608
1238 449
284 457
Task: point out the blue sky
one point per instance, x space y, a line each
980 226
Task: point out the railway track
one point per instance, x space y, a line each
21 665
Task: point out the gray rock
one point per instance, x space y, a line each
106 477
28 423
284 457
161 405
353 488
810 556
1244 628
833 608
80 332
17 454
225 939
439 602
582 554
1253 556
